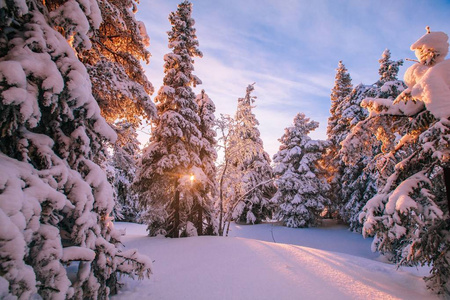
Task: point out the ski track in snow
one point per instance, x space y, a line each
316 263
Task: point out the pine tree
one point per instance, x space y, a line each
356 184
301 191
341 90
409 215
121 173
360 176
388 68
173 155
208 157
251 164
55 201
117 45
336 131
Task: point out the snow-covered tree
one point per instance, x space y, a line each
342 88
301 188
225 178
409 215
119 85
337 130
113 62
360 175
117 44
55 200
173 155
208 157
121 172
388 68
250 174
356 183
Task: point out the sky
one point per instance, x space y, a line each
290 49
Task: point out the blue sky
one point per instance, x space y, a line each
291 49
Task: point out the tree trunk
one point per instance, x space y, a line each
229 221
199 218
176 215
221 199
447 187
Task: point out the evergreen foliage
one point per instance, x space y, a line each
174 153
121 170
118 80
337 130
55 201
301 190
360 176
409 215
208 157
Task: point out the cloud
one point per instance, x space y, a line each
290 49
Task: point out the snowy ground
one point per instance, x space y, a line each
319 263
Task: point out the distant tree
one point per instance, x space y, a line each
55 201
301 188
337 130
226 180
388 68
208 156
249 165
122 171
410 214
166 193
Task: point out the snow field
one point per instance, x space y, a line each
240 267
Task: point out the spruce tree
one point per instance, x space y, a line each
208 157
113 62
121 170
55 201
337 130
409 215
167 194
116 45
251 174
121 89
341 90
301 191
360 176
389 69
